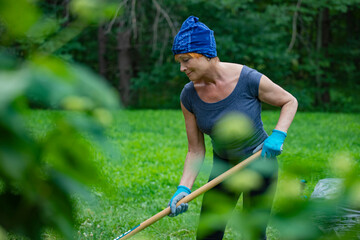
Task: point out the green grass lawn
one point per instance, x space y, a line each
153 145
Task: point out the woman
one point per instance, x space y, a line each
215 89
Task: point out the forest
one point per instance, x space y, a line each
310 48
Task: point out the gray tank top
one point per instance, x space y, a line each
244 99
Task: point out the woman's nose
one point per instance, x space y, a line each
182 68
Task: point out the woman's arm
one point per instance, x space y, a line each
193 162
273 94
196 149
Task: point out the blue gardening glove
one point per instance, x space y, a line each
273 145
181 192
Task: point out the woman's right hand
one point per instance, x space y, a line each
182 191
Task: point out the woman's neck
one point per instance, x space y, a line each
219 72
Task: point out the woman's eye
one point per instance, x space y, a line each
186 60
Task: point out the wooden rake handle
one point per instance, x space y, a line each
190 197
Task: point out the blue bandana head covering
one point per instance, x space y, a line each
196 37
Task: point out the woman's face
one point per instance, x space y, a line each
194 68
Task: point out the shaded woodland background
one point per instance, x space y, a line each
311 48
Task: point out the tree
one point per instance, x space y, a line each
317 39
307 47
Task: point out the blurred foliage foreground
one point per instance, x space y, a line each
39 176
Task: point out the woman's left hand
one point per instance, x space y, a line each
273 145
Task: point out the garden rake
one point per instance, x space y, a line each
191 196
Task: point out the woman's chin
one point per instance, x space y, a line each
191 77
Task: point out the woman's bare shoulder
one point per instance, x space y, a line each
232 65
233 68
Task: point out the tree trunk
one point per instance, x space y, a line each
102 50
124 63
325 85
66 4
322 42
